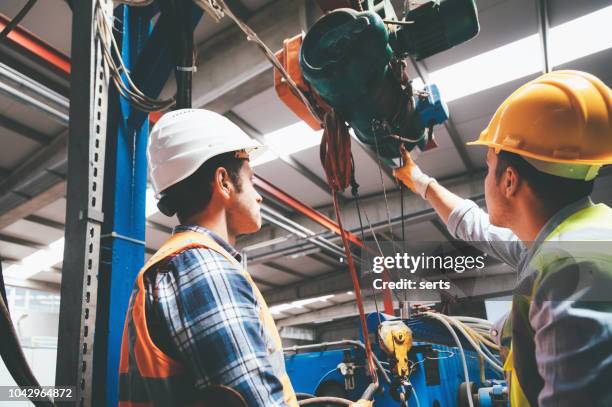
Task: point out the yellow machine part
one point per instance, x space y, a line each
395 339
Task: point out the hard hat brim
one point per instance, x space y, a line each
501 147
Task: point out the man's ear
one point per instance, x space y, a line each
222 182
512 181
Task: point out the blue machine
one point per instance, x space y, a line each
437 380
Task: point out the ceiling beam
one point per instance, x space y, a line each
45 222
34 204
286 270
22 242
260 281
543 31
23 130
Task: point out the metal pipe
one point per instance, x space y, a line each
23 81
300 230
302 209
35 103
322 243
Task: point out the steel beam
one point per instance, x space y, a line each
543 31
84 216
30 171
21 242
286 270
45 222
33 204
23 130
123 231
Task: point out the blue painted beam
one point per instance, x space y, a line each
156 61
123 231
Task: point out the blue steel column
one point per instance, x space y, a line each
124 205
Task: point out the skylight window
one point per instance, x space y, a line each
567 42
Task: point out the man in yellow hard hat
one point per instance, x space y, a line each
546 144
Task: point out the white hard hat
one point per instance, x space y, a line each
182 140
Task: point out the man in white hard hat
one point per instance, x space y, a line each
198 331
546 143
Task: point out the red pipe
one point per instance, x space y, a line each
303 209
24 42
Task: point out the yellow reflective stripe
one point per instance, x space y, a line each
596 217
517 396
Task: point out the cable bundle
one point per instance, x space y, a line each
476 331
116 69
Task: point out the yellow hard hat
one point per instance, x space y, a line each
561 123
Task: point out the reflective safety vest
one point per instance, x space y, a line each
148 376
593 223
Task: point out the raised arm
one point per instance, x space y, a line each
463 218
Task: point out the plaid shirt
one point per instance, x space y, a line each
202 311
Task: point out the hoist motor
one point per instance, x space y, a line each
354 62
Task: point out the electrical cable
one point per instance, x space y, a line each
382 182
17 19
471 340
253 37
337 401
335 157
3 289
414 393
462 353
129 91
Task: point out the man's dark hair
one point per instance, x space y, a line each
553 191
194 193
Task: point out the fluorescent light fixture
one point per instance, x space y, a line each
38 261
288 140
279 309
349 292
488 69
581 37
567 42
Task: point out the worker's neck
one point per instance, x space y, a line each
529 220
215 221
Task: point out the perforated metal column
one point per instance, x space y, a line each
84 217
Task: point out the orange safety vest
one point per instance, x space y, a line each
149 377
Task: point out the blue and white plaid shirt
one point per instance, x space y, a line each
202 311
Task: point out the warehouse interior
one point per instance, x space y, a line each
296 261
